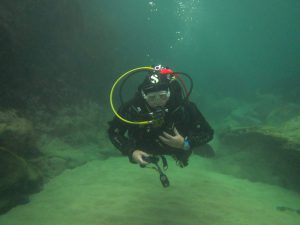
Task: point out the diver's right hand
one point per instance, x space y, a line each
137 157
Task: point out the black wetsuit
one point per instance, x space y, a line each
187 119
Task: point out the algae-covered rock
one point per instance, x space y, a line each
74 135
12 169
77 125
18 179
285 136
17 133
283 113
264 153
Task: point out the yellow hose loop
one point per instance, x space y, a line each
112 92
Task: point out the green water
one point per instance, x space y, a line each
220 43
59 60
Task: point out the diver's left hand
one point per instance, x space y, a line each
175 141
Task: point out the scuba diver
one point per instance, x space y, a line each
159 120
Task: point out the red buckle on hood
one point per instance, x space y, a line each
165 71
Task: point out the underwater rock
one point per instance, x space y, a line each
286 136
289 209
6 46
17 134
57 164
264 153
18 179
79 125
283 113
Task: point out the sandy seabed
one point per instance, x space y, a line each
115 192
